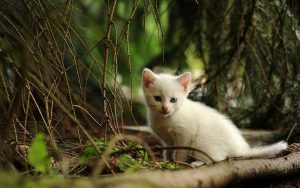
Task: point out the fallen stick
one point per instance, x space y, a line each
220 174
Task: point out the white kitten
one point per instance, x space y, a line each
178 121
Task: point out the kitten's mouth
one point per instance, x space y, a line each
164 113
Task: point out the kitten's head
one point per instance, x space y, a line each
164 94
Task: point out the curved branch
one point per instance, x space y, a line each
220 174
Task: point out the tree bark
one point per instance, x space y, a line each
221 174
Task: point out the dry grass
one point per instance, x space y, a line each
50 80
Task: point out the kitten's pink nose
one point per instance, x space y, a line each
165 109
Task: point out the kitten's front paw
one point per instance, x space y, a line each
197 164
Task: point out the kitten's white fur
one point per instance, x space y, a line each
193 124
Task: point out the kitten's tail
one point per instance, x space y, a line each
266 151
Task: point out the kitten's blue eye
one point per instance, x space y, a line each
157 98
173 100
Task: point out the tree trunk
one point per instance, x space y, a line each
221 174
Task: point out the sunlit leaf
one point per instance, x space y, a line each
169 165
90 151
38 154
127 163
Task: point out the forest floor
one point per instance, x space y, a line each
137 152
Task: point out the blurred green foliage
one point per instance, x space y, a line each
94 52
140 43
228 46
169 165
90 151
38 154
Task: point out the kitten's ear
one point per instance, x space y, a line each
148 77
185 80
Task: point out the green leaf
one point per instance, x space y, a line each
38 154
126 163
169 165
90 151
133 168
144 155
